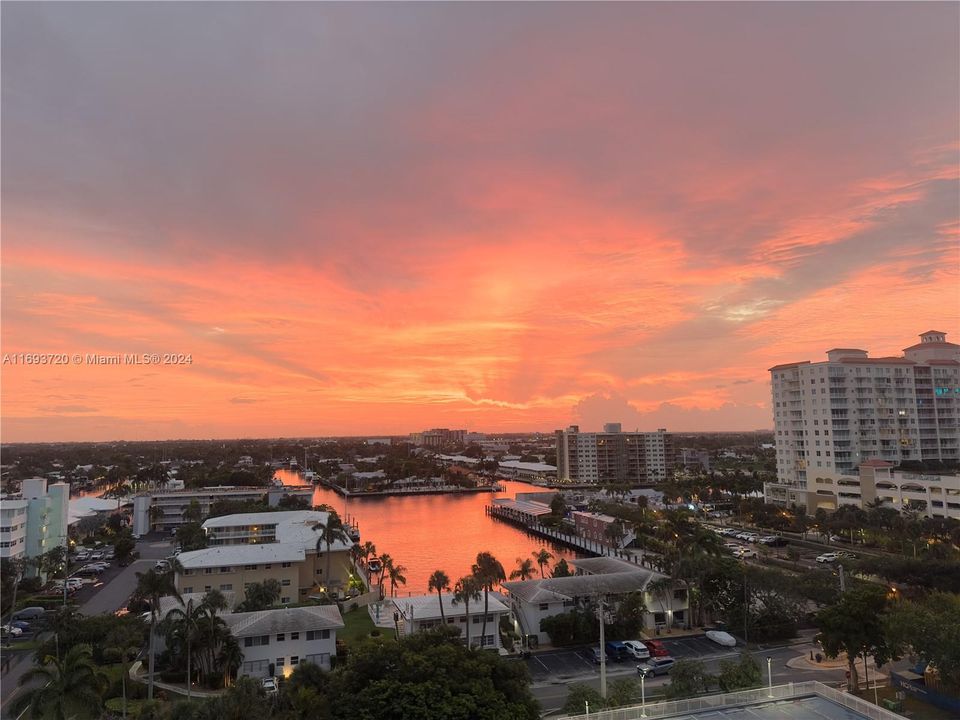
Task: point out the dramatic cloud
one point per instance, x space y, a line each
374 218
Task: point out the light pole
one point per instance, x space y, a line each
643 692
769 677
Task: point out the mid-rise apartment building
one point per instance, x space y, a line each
35 521
438 438
831 416
252 547
164 509
930 495
613 456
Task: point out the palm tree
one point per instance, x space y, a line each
231 656
659 589
488 572
151 586
385 562
524 569
330 531
439 581
66 685
368 550
396 577
467 588
18 566
542 557
123 653
184 625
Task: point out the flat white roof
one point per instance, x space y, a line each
531 466
293 527
232 555
529 507
427 607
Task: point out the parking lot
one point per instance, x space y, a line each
577 661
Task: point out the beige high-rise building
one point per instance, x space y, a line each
831 416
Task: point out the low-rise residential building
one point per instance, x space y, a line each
934 496
531 601
164 509
252 547
595 526
279 639
529 471
422 612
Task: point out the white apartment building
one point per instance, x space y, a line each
252 547
613 456
831 416
285 637
422 612
163 509
36 521
931 495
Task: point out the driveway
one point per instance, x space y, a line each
111 594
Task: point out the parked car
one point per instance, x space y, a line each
22 624
721 638
10 631
637 650
845 554
827 558
90 570
657 648
732 546
617 651
774 541
656 666
29 614
269 685
744 553
596 654
162 565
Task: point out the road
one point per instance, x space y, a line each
107 596
553 694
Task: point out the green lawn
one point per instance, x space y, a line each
357 626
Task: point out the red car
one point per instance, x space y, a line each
656 648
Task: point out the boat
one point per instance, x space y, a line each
374 565
353 532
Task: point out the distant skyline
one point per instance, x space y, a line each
363 219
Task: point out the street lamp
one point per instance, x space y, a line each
643 691
769 677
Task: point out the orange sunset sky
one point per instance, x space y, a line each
378 218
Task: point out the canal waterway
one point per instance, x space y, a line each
435 532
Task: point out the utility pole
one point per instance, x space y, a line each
746 608
603 656
843 581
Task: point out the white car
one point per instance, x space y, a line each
637 649
827 558
721 638
11 630
745 553
269 685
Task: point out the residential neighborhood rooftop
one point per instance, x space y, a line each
228 555
283 620
426 607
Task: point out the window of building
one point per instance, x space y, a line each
281 637
188 589
279 662
224 569
249 567
256 641
285 583
284 600
226 587
294 636
295 660
544 606
286 564
208 571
